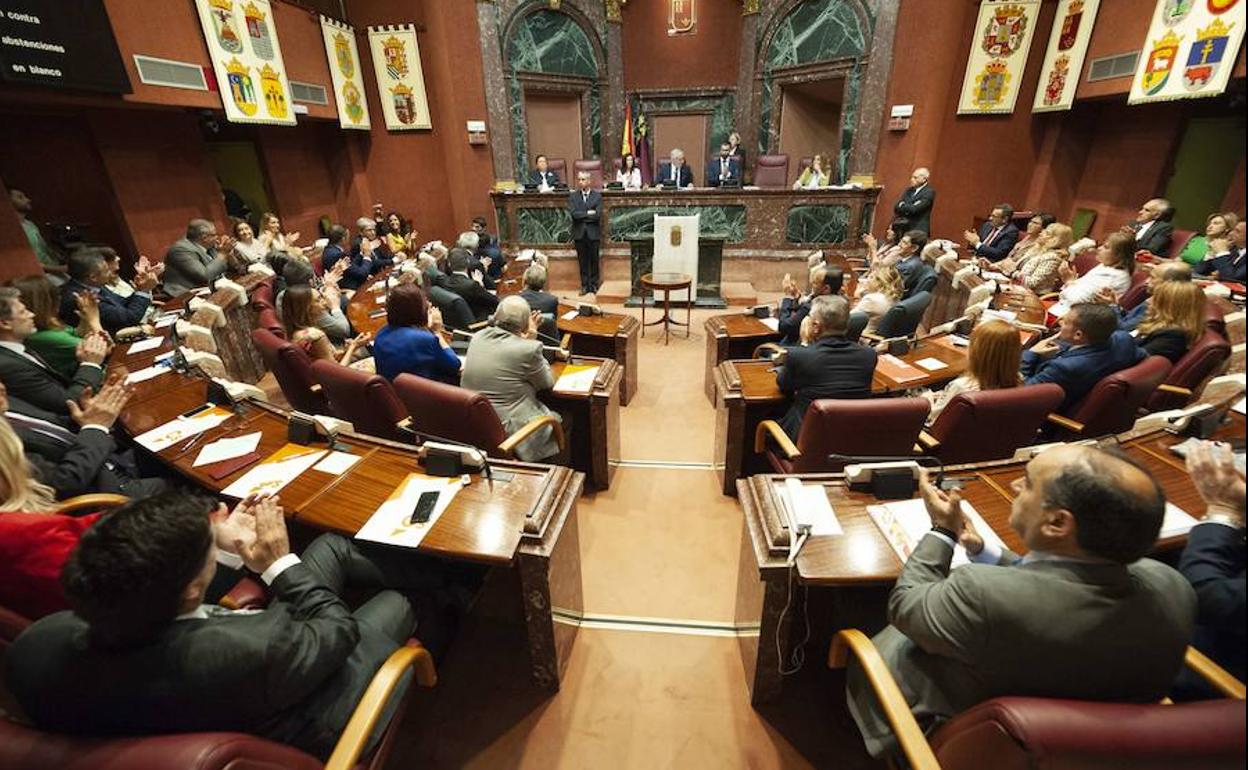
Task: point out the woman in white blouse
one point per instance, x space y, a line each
813 176
271 235
880 290
248 249
629 175
1116 262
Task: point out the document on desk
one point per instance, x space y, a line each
169 319
1176 522
568 316
905 522
577 378
275 471
392 523
151 343
227 449
336 463
932 364
1008 316
771 323
808 504
148 373
180 428
896 369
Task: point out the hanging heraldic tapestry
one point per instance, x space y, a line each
400 82
994 70
247 60
344 71
1190 50
1063 62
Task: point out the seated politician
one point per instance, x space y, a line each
813 176
30 378
1226 259
1083 615
196 260
916 273
724 170
411 341
542 176
471 287
505 364
1088 347
89 274
992 363
1153 230
336 250
996 238
1115 259
826 365
302 309
675 172
795 306
142 653
1174 322
542 301
1161 273
53 342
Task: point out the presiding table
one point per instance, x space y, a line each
849 575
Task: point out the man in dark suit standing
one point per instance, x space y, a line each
542 176
88 272
724 170
27 376
480 301
1152 228
585 205
915 203
996 237
827 366
676 172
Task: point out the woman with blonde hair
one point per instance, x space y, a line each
993 362
1218 225
880 290
1115 259
1040 267
1174 321
813 176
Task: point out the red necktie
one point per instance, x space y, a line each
992 236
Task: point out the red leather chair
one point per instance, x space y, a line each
262 296
292 369
991 424
445 411
1202 361
560 167
1137 292
772 172
1114 403
593 166
1086 260
267 319
1215 319
365 400
855 427
1178 241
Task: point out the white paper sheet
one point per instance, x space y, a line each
904 523
227 449
568 316
336 463
579 381
1176 522
268 478
181 428
167 320
151 343
771 323
809 504
147 374
931 364
1240 405
391 524
999 315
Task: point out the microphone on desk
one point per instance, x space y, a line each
448 457
889 477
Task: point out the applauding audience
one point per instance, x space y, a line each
30 378
1039 265
301 307
996 237
196 260
53 342
1115 264
411 341
1226 259
89 274
794 307
880 290
1218 226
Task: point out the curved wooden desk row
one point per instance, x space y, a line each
860 562
527 523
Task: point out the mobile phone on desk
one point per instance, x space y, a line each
424 508
197 410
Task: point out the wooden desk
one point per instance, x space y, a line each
949 301
610 335
731 336
859 565
526 524
747 393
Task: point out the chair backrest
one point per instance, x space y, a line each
318 265
455 311
1085 261
858 427
903 318
991 424
262 296
1215 318
450 412
1178 241
1051 734
1137 292
559 166
292 369
1114 403
12 624
858 321
772 171
1201 362
618 163
593 166
267 319
365 400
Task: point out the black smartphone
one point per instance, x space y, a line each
424 508
197 410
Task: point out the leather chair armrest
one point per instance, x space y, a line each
772 428
351 743
927 441
1065 422
913 743
90 503
1176 389
1217 677
508 447
247 594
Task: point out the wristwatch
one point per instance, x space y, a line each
949 533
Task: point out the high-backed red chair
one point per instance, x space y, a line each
1031 733
292 369
1201 362
593 166
1137 292
873 427
1178 242
1085 261
267 319
560 167
262 296
445 411
1114 403
1215 319
365 400
991 424
772 172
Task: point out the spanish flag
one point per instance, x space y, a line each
626 145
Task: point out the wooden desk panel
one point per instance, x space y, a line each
731 336
610 335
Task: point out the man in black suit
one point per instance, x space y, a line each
916 274
542 301
724 170
676 172
1152 228
542 176
996 237
141 652
824 279
89 272
585 205
487 247
827 365
480 301
27 376
915 203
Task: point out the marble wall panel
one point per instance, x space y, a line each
725 223
720 106
817 224
819 30
544 225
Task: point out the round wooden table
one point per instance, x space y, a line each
668 283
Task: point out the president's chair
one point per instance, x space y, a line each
1114 403
771 172
593 166
990 424
441 411
292 369
365 400
1030 733
886 427
560 167
1190 373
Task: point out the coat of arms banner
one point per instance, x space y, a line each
344 71
400 81
994 69
1190 50
242 42
1063 62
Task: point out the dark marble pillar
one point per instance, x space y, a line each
498 109
873 93
614 96
747 59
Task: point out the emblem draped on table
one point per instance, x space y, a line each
1063 62
1189 51
247 60
998 57
344 72
400 80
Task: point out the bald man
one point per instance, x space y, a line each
1152 228
1081 616
916 202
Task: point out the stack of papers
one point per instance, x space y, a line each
151 343
905 522
577 378
931 364
771 323
276 471
180 428
227 449
336 463
391 523
148 373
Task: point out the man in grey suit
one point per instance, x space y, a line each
1081 616
505 364
196 260
542 301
